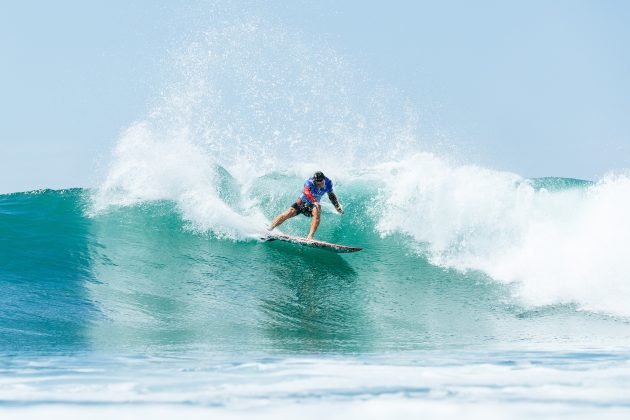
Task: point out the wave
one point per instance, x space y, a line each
250 111
556 240
138 275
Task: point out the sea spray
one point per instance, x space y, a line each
252 100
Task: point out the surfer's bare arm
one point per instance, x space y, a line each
333 199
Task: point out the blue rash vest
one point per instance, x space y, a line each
310 189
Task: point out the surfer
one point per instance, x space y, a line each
308 203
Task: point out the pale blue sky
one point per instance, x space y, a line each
540 88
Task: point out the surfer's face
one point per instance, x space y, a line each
320 184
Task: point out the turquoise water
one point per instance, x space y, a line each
132 307
136 279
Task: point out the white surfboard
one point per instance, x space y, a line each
312 243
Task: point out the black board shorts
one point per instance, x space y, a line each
304 208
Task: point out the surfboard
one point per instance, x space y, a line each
312 243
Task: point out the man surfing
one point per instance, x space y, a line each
308 203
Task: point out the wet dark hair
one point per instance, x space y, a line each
319 176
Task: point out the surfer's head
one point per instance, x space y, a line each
319 176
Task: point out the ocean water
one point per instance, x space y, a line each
135 309
479 293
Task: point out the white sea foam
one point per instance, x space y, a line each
566 246
468 385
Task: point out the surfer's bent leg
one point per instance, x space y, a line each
315 222
291 212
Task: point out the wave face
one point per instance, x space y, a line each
443 266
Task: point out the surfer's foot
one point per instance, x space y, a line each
309 238
270 228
